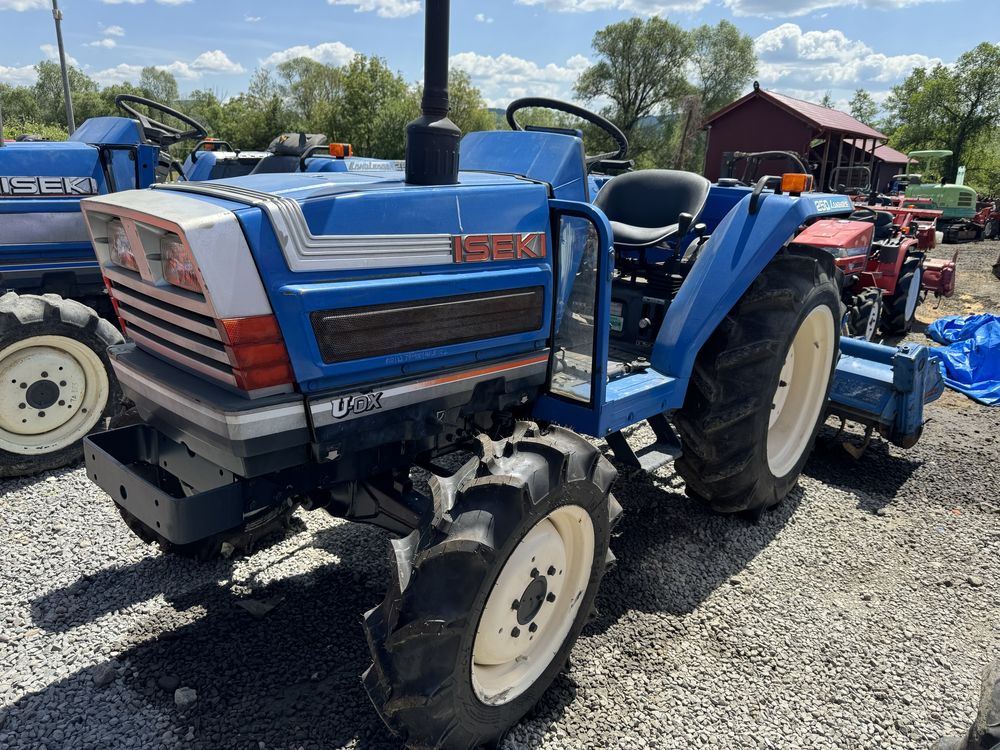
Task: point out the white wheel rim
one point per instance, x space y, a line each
913 294
53 390
513 646
801 391
872 324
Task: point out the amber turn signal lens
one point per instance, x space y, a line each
796 183
341 150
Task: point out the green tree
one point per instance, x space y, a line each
312 87
724 62
827 100
367 114
956 108
48 91
863 108
639 69
159 85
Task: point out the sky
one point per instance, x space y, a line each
511 48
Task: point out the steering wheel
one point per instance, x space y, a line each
156 131
571 109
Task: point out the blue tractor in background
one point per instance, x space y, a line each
311 339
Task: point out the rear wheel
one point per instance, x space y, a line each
760 385
56 382
488 598
901 307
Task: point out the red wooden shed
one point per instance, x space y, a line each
833 144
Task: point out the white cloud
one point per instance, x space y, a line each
642 7
253 19
483 18
114 31
22 76
107 43
118 74
385 8
790 58
505 77
214 61
792 8
51 51
20 5
331 53
174 2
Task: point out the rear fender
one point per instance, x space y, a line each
739 249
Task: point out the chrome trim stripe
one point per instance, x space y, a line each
242 425
172 355
306 251
412 392
125 296
185 344
42 228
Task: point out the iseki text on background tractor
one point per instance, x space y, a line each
309 339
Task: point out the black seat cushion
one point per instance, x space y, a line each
644 207
274 164
881 219
286 152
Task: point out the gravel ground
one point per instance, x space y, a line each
859 614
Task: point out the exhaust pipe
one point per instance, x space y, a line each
432 139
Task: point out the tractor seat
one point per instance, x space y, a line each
881 219
644 207
286 152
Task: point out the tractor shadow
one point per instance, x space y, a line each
287 678
706 550
875 478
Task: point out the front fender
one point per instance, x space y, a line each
738 250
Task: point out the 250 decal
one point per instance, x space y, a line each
479 248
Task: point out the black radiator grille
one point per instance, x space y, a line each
376 330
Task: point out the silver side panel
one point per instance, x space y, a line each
305 251
36 228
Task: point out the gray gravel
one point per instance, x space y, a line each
858 615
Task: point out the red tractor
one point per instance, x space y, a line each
884 268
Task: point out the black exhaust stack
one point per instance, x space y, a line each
432 139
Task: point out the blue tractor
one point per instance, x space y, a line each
310 339
54 317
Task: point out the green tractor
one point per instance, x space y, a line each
956 202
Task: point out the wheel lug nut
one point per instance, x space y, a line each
551 597
534 572
532 627
552 570
515 604
515 632
22 406
62 383
24 386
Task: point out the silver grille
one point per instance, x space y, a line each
171 323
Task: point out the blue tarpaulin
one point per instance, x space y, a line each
970 359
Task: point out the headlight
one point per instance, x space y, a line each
121 249
179 267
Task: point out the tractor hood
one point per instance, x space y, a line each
46 169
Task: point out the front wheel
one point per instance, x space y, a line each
487 600
760 385
56 383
